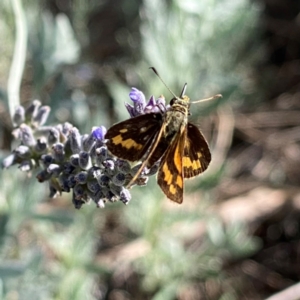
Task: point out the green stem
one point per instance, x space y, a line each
19 56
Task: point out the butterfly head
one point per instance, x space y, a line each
182 100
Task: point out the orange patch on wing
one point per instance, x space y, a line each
172 189
128 144
167 174
178 159
196 164
179 181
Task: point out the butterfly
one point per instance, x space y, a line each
167 138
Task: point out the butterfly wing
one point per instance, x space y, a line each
170 174
132 138
196 157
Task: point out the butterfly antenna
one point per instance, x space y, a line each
208 99
156 73
183 90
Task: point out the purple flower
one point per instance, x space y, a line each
130 110
137 96
140 106
150 105
99 133
156 106
139 103
161 101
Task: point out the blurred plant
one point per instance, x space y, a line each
208 45
43 247
52 45
171 267
187 248
183 40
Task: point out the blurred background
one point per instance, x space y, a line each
236 235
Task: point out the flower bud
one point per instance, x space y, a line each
123 166
58 151
43 176
23 151
84 160
26 165
118 179
68 168
9 161
139 101
66 128
63 183
41 145
74 160
32 110
47 159
103 180
101 203
54 169
93 186
53 136
101 155
77 203
19 116
71 181
75 140
87 142
81 177
42 115
26 135
79 191
130 110
109 166
99 133
125 196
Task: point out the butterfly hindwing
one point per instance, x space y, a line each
132 138
170 174
196 156
159 151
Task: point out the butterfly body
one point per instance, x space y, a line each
176 117
167 137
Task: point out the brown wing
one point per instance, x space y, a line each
131 139
170 174
196 153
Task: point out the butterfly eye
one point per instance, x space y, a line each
172 101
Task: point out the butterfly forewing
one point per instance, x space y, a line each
132 138
196 157
170 174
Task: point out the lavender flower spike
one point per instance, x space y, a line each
72 162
